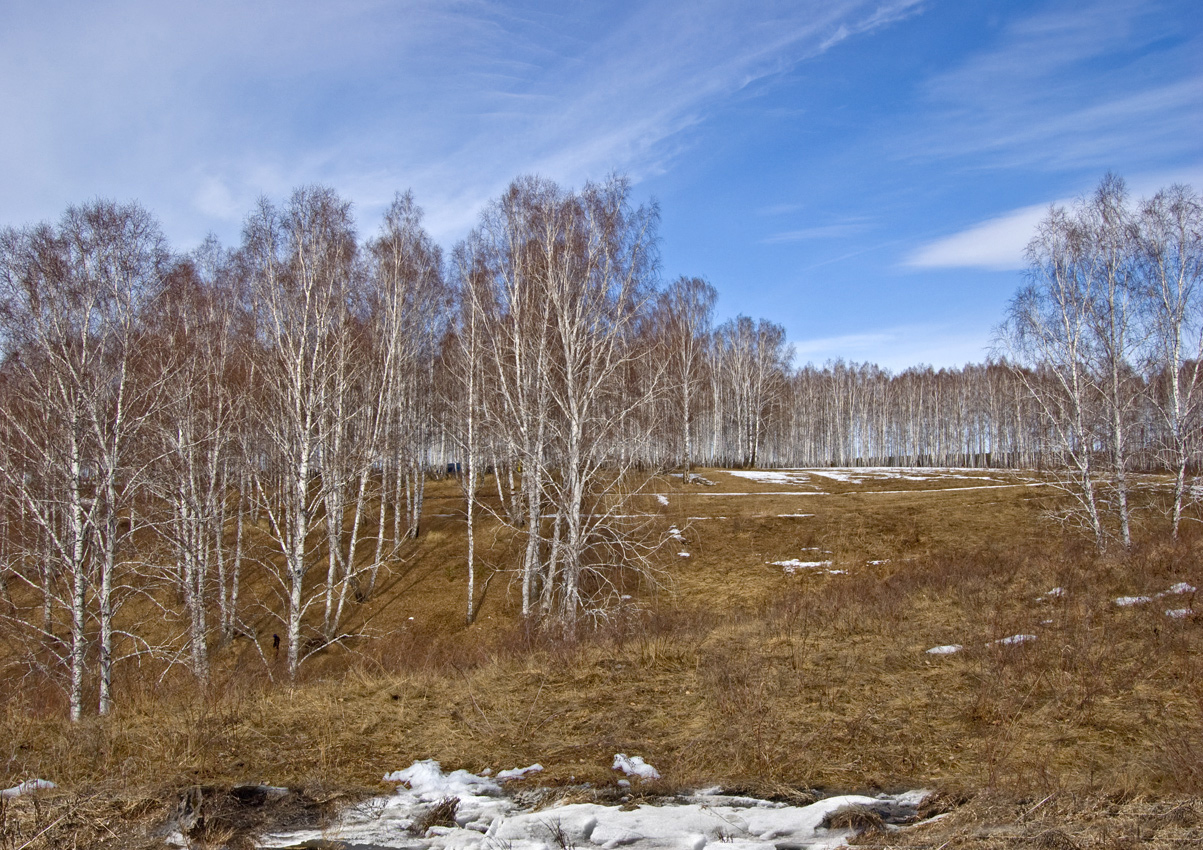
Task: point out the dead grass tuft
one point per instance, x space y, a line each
856 818
441 813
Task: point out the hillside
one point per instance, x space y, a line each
786 654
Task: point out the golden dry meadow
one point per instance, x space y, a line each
785 655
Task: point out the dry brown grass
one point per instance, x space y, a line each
731 672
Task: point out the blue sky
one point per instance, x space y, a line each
865 173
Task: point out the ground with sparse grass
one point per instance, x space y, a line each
785 656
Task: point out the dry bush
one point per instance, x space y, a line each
441 813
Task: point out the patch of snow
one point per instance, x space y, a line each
519 772
27 787
635 766
861 474
662 499
427 781
485 820
947 649
683 554
1179 588
1055 593
794 564
675 534
1013 640
773 476
1179 613
794 516
844 475
878 563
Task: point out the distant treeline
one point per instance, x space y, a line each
169 421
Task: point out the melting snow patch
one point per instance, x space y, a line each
635 766
948 649
1180 587
683 554
662 499
794 516
1179 613
793 565
27 787
519 772
769 476
486 818
1052 594
427 781
675 534
1012 640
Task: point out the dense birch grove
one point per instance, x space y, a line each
176 428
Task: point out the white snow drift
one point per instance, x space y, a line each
486 817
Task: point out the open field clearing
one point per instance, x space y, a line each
850 631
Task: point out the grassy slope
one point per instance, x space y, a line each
732 671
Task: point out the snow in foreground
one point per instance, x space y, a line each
486 817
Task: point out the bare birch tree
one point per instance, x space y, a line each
1048 330
302 265
72 300
687 308
1171 260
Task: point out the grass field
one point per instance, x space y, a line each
785 656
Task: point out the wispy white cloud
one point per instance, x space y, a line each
198 108
824 231
902 346
997 244
1072 86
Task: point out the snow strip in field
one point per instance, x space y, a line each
942 489
947 649
1179 588
773 476
860 474
486 817
882 492
794 564
662 499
